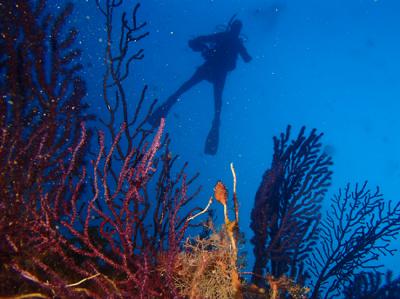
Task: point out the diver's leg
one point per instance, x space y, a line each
211 145
163 110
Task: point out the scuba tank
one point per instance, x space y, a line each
207 49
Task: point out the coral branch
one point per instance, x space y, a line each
356 231
286 208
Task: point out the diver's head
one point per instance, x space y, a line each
236 27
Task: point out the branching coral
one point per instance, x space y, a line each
114 214
204 268
286 220
70 230
357 230
286 212
41 108
371 285
207 268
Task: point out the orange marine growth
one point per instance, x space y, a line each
221 193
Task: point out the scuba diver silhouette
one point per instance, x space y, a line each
220 51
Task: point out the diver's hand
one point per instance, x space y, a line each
244 54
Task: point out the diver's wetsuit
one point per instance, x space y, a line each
220 50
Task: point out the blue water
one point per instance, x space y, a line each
329 65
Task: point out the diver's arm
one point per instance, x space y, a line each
206 38
200 43
244 54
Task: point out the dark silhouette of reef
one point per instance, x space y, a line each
373 285
329 253
286 210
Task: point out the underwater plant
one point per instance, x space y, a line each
370 285
103 238
358 228
286 210
122 51
42 93
68 229
207 267
292 240
41 108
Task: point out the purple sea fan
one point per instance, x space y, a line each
286 210
357 230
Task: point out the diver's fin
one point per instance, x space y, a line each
155 118
211 145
